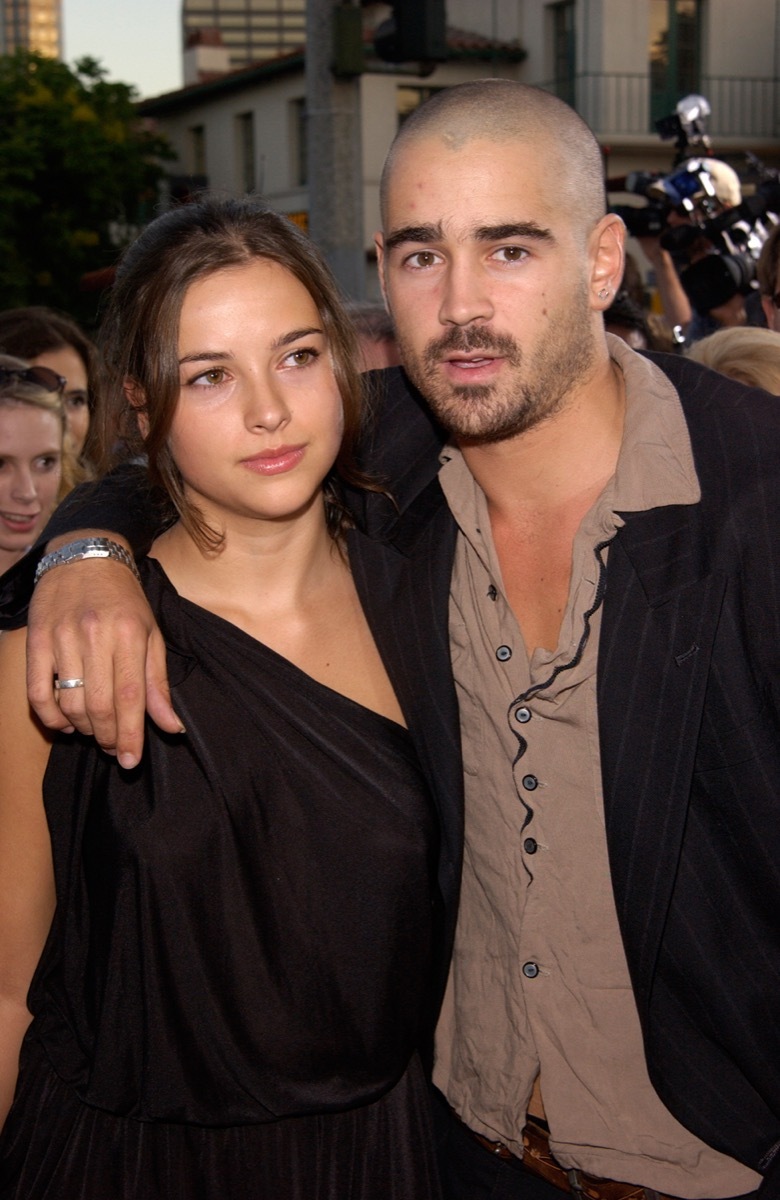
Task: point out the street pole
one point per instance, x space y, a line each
334 155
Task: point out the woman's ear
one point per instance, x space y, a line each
137 400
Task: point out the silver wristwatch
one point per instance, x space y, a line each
95 547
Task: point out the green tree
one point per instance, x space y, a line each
79 172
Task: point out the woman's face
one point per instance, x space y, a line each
259 419
30 469
68 363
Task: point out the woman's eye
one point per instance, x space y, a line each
48 462
210 378
76 400
302 357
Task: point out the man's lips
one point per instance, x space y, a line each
275 460
482 366
474 360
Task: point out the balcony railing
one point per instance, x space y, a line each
615 104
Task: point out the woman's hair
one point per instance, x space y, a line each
749 355
140 337
29 332
16 390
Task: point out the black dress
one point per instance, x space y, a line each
231 995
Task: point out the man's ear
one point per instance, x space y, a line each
379 242
137 400
607 251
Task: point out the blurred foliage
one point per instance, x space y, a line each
79 173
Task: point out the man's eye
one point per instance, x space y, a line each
422 258
511 253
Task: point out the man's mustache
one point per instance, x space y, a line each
465 341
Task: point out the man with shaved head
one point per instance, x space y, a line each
582 550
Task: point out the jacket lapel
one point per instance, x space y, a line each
661 613
404 589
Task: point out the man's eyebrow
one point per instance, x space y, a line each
413 233
514 229
427 234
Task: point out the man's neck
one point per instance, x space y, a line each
539 486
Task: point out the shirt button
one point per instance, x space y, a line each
492 592
522 715
530 970
530 845
504 653
530 783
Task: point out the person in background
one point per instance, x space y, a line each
768 271
46 338
695 320
376 335
749 355
36 469
626 320
238 977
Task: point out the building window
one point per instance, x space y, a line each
298 143
245 138
564 50
197 138
674 51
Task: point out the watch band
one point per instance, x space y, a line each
95 547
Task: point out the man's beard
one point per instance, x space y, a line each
536 389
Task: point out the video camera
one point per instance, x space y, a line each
733 235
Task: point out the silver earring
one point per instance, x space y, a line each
604 294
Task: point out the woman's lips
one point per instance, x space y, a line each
276 460
20 523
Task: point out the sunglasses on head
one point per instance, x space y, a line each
42 377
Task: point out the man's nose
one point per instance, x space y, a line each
466 297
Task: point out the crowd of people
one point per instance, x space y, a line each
389 761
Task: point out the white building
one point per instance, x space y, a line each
621 63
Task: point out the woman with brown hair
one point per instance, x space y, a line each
229 998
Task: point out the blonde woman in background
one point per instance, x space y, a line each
47 338
749 355
36 471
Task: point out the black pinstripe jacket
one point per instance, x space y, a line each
689 699
688 694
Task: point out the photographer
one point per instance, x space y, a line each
768 271
691 307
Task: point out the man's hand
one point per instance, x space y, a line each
90 620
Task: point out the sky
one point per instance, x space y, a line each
137 41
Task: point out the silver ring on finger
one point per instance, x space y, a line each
60 685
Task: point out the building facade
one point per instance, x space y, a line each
251 30
621 63
31 25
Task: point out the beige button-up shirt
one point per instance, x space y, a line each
539 984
